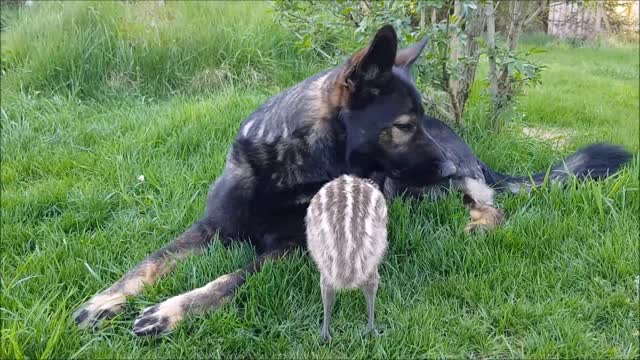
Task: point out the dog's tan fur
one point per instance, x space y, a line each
484 217
163 317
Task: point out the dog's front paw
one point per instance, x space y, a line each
101 307
484 218
159 319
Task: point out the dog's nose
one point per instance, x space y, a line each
448 168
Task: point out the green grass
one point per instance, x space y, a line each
114 49
559 279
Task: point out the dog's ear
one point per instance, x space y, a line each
373 61
407 56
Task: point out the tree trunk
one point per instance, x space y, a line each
607 26
545 15
459 85
505 90
599 15
454 51
491 53
473 27
496 100
552 26
434 18
515 28
500 81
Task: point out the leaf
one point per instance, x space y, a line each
536 50
346 11
517 66
397 23
93 273
306 44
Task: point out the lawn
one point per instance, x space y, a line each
120 91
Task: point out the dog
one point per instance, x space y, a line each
364 118
478 182
359 118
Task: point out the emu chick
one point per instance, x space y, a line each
346 226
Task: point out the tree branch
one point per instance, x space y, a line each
314 46
533 15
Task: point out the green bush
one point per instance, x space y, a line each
445 71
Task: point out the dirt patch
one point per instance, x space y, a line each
559 138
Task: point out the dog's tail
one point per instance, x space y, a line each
596 161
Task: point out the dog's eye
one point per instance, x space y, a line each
404 126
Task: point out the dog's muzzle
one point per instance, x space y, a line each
447 169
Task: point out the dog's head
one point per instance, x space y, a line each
381 111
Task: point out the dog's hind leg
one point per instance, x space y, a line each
163 317
479 196
109 302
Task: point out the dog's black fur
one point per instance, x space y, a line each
595 161
478 181
364 118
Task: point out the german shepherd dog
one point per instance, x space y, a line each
363 117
